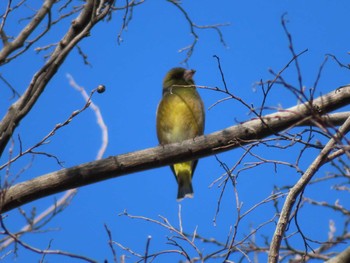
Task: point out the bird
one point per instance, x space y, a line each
180 116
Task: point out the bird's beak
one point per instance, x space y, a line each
189 74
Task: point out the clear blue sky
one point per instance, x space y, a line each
132 73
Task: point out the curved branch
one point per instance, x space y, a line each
190 48
79 29
68 195
19 41
295 191
202 146
342 257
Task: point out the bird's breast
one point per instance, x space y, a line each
180 116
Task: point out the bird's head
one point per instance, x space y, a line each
177 77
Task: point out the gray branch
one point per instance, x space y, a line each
295 191
79 29
19 41
341 258
220 141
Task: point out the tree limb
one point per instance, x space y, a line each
341 258
202 146
79 29
298 188
19 41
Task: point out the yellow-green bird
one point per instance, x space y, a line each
180 116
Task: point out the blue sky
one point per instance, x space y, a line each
132 73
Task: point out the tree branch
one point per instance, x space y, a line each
64 200
220 141
342 257
299 187
19 41
79 29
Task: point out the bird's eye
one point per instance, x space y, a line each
178 75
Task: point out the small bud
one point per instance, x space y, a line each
101 88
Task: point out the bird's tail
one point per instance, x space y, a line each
183 173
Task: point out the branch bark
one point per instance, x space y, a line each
202 146
341 258
79 29
295 191
19 41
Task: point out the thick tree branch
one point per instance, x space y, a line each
19 41
298 188
202 146
334 119
79 29
342 257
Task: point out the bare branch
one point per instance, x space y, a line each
44 251
48 136
64 200
18 42
8 84
79 29
110 243
342 257
211 144
299 187
98 114
190 48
